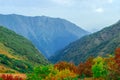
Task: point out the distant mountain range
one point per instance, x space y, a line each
18 54
47 34
100 43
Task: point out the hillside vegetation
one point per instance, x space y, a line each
17 53
100 43
98 68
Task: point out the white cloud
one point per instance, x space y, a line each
110 1
63 2
99 10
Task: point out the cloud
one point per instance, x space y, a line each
99 10
63 2
110 1
106 1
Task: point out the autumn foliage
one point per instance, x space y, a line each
117 56
98 68
64 65
10 77
51 73
114 65
85 68
106 68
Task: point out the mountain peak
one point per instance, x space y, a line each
46 33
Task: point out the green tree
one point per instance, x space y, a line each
41 72
99 68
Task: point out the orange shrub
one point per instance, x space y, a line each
85 68
10 77
64 65
117 56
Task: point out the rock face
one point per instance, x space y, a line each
47 34
100 43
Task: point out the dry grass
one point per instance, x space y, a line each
8 52
4 50
4 69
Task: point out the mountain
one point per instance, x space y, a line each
47 34
17 53
100 43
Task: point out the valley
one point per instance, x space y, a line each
88 56
100 43
46 33
59 39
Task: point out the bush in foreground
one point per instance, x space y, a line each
10 77
50 73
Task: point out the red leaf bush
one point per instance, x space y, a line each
10 77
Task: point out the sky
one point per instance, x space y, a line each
91 15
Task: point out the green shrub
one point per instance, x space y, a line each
40 72
99 68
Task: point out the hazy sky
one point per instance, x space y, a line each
91 15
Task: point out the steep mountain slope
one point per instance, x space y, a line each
18 53
100 43
47 34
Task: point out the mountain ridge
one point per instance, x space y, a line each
99 43
46 33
